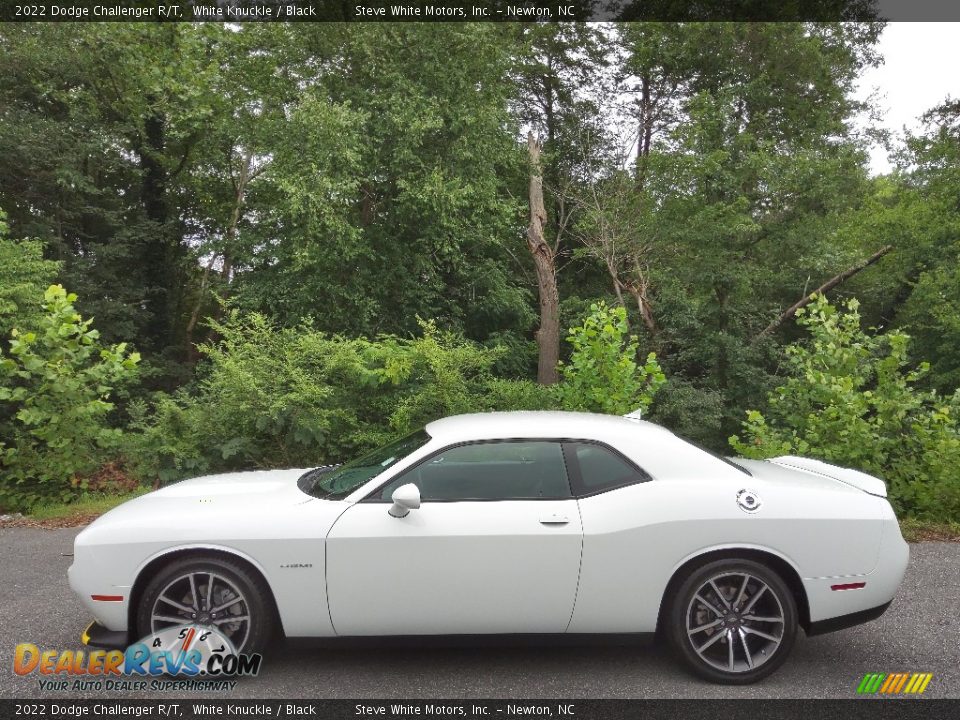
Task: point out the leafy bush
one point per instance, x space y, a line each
852 400
603 374
54 401
24 275
273 397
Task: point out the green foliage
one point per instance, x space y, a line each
602 374
929 274
24 275
851 399
273 396
57 382
435 375
393 167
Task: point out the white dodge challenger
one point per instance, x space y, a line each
532 523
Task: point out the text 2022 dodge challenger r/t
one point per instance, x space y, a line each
508 523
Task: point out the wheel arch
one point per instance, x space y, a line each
160 560
774 561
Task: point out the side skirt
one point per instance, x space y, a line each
485 640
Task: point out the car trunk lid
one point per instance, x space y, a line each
854 478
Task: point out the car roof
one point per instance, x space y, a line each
539 424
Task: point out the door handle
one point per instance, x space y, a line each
554 520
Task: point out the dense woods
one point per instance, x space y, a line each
278 245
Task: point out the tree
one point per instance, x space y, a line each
101 127
603 374
746 162
54 399
24 275
926 297
851 398
544 260
396 170
558 71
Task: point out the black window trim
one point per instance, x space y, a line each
576 474
572 466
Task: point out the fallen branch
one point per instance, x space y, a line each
826 287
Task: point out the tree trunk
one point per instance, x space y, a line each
240 190
160 245
544 260
646 131
826 287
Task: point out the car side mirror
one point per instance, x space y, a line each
405 498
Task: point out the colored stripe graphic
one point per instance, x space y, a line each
890 682
894 683
899 686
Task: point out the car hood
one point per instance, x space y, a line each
273 485
253 504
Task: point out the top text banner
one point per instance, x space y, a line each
475 11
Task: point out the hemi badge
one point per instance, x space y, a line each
108 598
848 586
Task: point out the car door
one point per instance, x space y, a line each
494 547
624 544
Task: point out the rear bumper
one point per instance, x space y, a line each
835 605
846 621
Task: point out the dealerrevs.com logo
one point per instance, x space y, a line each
191 657
904 683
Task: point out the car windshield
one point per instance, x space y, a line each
336 482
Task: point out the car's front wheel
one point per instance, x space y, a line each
733 621
212 592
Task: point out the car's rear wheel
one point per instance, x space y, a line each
733 621
212 592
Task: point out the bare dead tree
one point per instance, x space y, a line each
544 260
240 179
607 235
826 287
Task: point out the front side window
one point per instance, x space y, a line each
513 470
337 482
603 469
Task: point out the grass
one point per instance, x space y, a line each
83 509
915 530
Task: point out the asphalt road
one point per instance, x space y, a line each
920 632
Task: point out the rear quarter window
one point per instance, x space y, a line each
602 468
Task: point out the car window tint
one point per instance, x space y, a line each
603 469
489 471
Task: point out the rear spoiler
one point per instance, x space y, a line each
862 481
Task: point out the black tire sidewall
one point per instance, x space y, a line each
262 620
677 629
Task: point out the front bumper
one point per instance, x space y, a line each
96 635
91 587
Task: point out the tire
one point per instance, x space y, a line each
771 611
245 591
